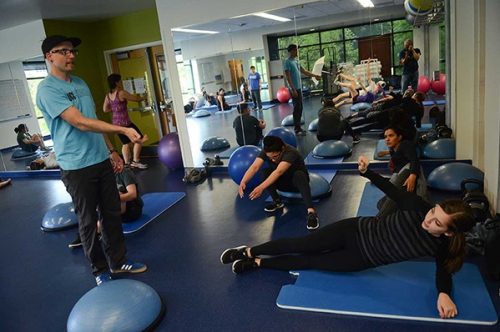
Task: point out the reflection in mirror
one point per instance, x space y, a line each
219 54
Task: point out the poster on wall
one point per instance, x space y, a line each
128 86
140 85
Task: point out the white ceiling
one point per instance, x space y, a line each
16 12
303 12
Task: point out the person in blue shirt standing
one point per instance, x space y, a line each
408 57
292 73
254 79
86 157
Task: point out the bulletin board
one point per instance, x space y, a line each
14 100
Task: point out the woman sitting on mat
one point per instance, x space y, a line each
221 101
418 229
404 166
28 142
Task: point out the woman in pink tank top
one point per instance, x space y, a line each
116 101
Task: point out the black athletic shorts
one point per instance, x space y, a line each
124 138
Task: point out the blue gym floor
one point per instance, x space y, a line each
42 278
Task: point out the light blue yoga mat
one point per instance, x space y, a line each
154 205
404 290
368 204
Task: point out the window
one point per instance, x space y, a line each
35 72
185 76
341 44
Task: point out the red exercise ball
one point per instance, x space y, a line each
439 87
424 84
283 95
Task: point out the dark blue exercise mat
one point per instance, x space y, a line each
227 153
368 204
404 290
154 205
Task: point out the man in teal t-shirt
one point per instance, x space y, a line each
292 73
86 157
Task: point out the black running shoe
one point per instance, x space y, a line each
274 206
242 265
356 139
312 221
233 254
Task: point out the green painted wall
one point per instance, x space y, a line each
97 37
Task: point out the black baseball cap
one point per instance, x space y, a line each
291 47
51 41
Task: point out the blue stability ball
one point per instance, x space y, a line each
118 305
240 160
450 176
331 149
288 121
201 114
319 188
360 107
214 143
286 135
59 217
313 126
443 148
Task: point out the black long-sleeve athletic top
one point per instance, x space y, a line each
400 236
406 153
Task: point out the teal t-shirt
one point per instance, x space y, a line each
292 65
75 149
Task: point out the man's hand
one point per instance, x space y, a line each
256 193
241 189
116 162
294 93
132 134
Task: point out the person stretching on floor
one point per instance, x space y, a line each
286 172
418 229
352 96
404 165
130 201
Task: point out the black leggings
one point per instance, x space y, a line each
297 181
333 247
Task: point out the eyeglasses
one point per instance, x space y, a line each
65 51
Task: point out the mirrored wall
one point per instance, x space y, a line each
218 55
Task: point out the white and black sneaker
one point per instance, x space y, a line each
312 221
274 206
233 254
243 265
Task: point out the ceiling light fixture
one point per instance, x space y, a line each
366 3
195 31
272 17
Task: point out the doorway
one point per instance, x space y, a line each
236 70
378 47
